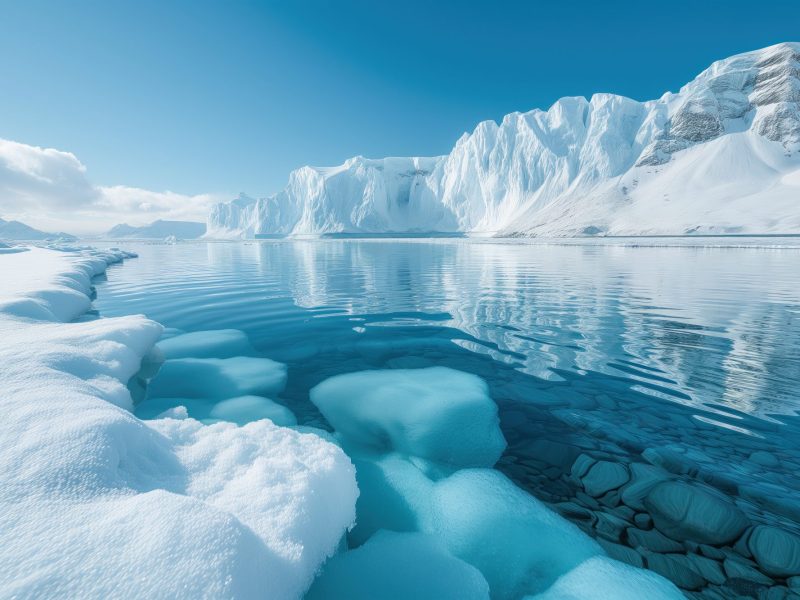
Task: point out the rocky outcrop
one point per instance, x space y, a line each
700 514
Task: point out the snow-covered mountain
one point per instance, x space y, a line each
15 230
720 156
186 230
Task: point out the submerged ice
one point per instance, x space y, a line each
214 376
423 442
437 414
399 566
218 377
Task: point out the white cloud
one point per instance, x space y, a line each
49 189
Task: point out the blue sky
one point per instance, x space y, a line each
230 96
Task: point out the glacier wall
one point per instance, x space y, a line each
720 156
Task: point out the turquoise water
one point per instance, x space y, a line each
661 353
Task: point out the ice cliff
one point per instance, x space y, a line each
720 156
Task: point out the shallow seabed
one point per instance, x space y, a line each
648 389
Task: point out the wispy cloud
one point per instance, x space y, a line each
49 189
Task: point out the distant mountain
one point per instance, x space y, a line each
184 230
721 156
14 230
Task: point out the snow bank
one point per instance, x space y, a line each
96 503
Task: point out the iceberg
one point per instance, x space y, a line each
97 503
720 156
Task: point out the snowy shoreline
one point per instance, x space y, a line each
96 503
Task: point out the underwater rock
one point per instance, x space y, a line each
674 568
685 511
581 466
775 550
652 540
604 476
643 479
710 569
736 569
622 553
643 521
610 527
764 458
553 453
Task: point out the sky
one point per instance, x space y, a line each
157 109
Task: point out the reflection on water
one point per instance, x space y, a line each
687 358
698 325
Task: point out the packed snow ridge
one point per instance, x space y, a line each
721 156
99 504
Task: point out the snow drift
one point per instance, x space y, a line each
98 504
720 156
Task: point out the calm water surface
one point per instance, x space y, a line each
684 357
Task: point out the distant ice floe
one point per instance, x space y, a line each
98 504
